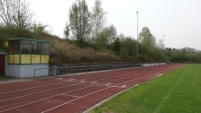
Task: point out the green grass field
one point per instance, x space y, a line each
178 91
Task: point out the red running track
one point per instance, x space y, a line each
72 94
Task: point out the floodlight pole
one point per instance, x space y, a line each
163 48
137 35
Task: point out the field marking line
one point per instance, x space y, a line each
43 99
123 86
98 104
157 110
23 89
130 75
70 95
5 100
74 100
149 72
143 76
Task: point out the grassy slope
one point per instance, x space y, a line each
64 52
176 92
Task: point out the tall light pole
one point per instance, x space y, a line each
163 48
137 35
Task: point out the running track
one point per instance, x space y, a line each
72 94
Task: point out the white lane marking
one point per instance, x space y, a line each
159 75
36 93
59 78
43 99
31 88
123 86
86 111
82 81
74 100
94 82
157 110
71 79
70 95
144 76
108 84
136 84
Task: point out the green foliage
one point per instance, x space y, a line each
117 45
79 19
98 19
106 37
183 55
39 28
128 46
11 32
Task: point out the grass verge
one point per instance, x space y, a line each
178 91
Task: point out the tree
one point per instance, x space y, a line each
128 46
67 30
98 19
39 28
112 33
79 18
106 37
15 13
148 43
117 45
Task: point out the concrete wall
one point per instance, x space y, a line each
26 71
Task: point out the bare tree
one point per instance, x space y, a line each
15 13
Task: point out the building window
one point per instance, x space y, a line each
13 47
26 47
44 48
35 48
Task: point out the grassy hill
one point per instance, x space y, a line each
64 51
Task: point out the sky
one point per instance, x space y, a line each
178 20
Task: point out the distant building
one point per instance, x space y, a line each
20 56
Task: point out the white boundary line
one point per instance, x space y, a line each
5 100
170 92
74 100
31 87
43 99
98 104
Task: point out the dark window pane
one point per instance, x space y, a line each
45 48
16 46
13 47
35 49
26 47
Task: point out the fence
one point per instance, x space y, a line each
78 68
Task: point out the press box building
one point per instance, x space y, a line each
23 55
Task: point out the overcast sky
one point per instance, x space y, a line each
178 20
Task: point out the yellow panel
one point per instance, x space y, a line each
5 44
36 59
25 59
16 59
10 59
44 59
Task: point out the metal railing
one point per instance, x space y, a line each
54 72
73 69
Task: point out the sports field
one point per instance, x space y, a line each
178 91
